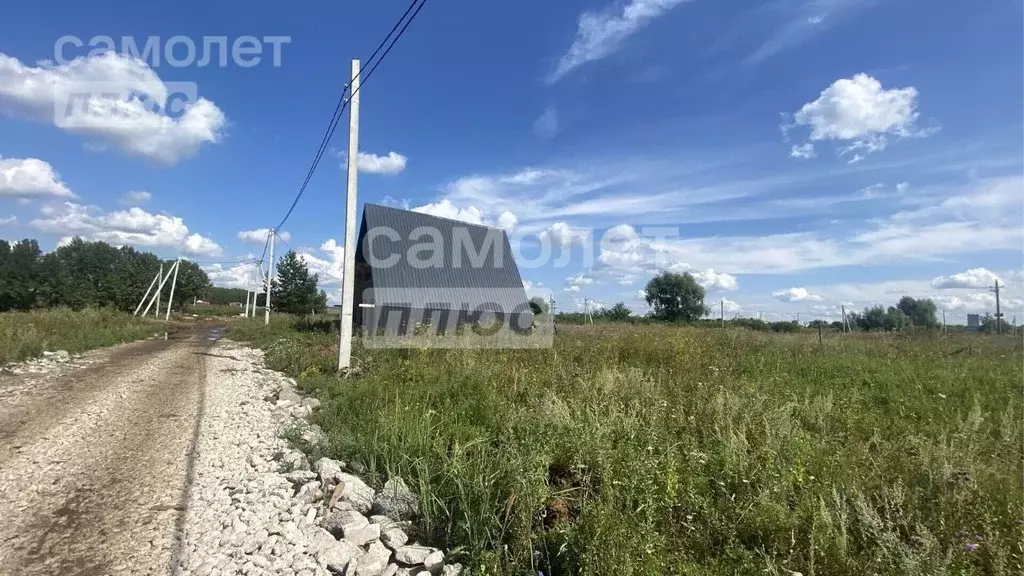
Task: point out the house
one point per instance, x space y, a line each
415 271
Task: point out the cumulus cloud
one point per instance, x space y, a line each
259 236
390 165
199 245
562 234
715 281
242 275
128 106
600 33
8 220
577 282
29 178
135 197
796 295
729 306
973 278
858 114
802 151
134 227
506 221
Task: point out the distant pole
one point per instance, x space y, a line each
170 299
157 313
943 321
819 332
247 302
844 318
999 315
721 305
159 288
348 286
797 317
270 280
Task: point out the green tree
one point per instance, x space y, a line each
193 282
896 319
618 313
538 306
873 318
920 311
676 297
295 290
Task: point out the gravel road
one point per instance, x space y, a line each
95 458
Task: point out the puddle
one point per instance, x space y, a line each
215 333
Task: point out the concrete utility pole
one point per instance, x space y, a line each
157 312
722 306
270 279
943 321
348 284
999 315
844 319
170 299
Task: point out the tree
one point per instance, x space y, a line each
676 297
920 312
618 313
538 306
295 290
873 318
896 319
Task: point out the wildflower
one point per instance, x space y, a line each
943 396
971 547
961 534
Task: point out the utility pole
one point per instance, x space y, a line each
348 285
844 319
170 299
943 321
797 317
157 313
999 315
146 295
819 332
270 279
721 306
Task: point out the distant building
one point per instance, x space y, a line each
415 269
974 322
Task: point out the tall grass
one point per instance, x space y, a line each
669 450
26 334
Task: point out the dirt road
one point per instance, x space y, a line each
95 460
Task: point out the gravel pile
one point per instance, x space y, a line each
257 507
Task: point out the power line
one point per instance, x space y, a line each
339 109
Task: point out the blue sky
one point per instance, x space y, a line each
795 156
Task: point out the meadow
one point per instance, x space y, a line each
661 449
27 334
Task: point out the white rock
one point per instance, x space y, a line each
374 561
413 555
337 557
356 492
343 522
328 470
363 536
396 500
452 570
434 563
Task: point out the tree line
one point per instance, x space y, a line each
675 297
80 274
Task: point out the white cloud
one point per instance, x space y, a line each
577 282
135 197
30 178
390 165
600 33
795 295
973 278
506 220
858 113
715 281
45 93
812 17
199 245
562 234
546 126
242 275
134 227
259 236
729 306
802 151
8 220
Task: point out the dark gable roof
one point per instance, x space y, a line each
472 262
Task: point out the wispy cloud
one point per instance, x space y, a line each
809 19
600 33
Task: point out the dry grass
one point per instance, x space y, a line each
26 334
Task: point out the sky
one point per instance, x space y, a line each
795 156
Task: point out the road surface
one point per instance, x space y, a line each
95 460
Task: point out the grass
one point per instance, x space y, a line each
26 334
633 450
